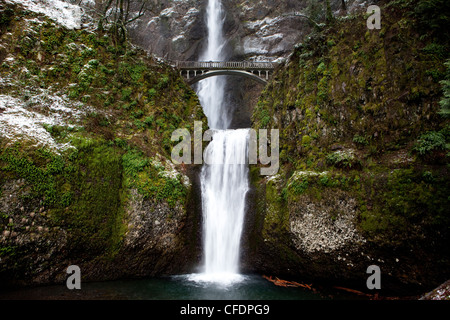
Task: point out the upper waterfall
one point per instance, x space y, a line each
211 91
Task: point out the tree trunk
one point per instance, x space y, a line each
328 13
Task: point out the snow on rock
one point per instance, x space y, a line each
27 120
67 14
168 170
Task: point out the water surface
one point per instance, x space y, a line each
181 287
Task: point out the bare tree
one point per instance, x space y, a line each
299 14
328 13
317 13
119 13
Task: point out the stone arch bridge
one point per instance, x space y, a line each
194 71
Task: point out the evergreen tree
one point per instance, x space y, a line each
445 101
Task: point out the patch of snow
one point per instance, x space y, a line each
178 37
261 45
259 24
167 13
192 11
5 82
153 21
190 17
9 60
279 60
64 13
274 178
27 120
254 46
88 2
156 163
168 170
300 175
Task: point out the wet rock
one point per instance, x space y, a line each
440 293
325 225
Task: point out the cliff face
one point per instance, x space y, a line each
85 170
254 29
363 152
259 30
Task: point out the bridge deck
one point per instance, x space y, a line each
224 65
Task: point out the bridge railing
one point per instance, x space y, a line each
220 65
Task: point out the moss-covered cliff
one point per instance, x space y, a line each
363 153
85 170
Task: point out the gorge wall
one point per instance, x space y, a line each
360 181
85 170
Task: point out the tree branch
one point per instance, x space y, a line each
298 14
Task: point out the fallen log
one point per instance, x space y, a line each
285 283
357 292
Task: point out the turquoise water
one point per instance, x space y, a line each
251 287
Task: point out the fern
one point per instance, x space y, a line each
445 101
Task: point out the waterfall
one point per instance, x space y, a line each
224 186
224 177
211 91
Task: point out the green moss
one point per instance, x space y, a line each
306 140
81 190
94 181
152 180
404 200
377 92
276 218
41 177
298 186
343 159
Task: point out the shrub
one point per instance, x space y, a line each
360 140
445 101
151 93
429 142
306 140
343 159
163 81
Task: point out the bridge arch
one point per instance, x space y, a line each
255 70
213 73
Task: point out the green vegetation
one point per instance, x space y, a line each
367 122
432 141
81 190
445 101
360 140
129 105
360 106
407 199
121 80
152 180
342 159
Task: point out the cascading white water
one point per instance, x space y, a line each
224 186
224 177
211 91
